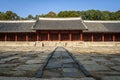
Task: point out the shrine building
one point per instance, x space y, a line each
60 29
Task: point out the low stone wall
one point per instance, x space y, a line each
11 43
76 43
60 43
92 44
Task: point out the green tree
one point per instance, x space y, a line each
51 14
9 15
30 17
68 14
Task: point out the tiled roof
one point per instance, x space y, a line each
16 26
102 26
59 24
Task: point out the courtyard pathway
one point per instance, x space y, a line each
61 64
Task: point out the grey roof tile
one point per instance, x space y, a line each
102 27
59 25
16 26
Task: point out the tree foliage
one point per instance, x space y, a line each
68 14
86 15
9 15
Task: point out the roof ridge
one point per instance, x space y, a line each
17 21
71 18
101 21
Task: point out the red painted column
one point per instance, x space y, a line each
48 36
103 38
37 36
59 36
70 36
5 37
113 37
92 37
26 37
16 37
81 36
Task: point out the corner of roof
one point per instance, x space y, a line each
33 26
84 24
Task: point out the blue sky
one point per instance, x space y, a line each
26 7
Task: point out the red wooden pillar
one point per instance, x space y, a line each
5 37
37 36
59 36
48 36
103 38
70 36
81 36
113 37
16 39
26 37
92 37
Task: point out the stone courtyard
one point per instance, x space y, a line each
103 63
23 63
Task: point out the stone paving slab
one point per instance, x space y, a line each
105 73
51 73
29 67
109 63
34 61
14 73
8 65
102 59
73 74
88 62
70 65
4 70
115 59
83 58
111 78
96 67
9 58
70 70
67 60
53 65
25 78
117 68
